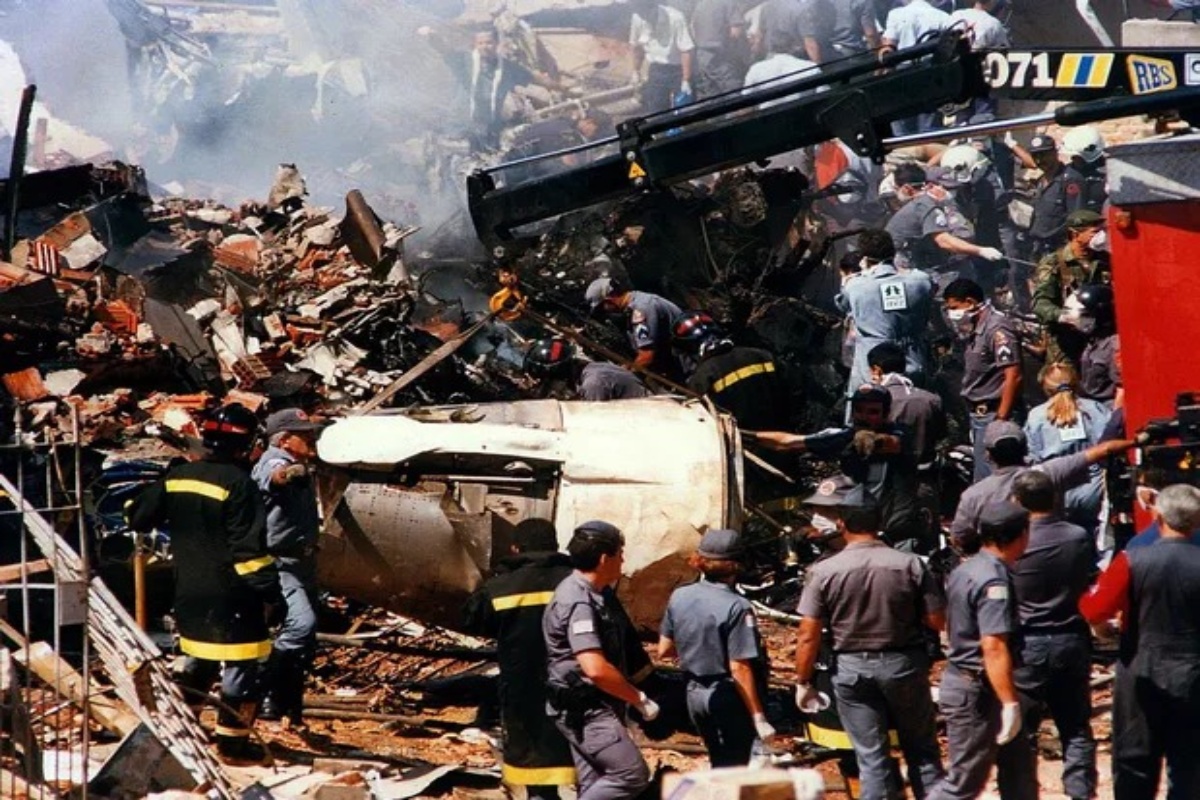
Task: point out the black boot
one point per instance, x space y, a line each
271 708
235 722
283 687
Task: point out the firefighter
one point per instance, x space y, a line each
1061 274
1099 364
886 306
713 632
226 582
588 688
744 381
876 603
978 697
991 381
1156 701
284 476
648 320
509 607
1047 227
555 362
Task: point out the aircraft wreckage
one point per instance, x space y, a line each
421 505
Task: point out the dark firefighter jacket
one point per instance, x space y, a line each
223 575
509 608
744 381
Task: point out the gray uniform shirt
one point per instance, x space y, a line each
871 597
293 521
1055 571
887 306
980 601
574 622
650 318
711 625
992 348
601 381
914 225
1099 375
918 410
1065 472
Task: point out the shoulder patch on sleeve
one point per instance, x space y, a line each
583 626
750 620
997 591
637 317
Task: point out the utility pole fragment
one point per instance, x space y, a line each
16 171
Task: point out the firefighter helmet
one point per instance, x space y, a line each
1084 142
1096 299
964 164
549 357
692 328
229 429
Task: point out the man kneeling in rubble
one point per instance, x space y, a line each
225 581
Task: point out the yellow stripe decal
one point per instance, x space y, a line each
522 601
253 565
838 740
189 486
214 651
538 776
742 374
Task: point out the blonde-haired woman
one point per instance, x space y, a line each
1067 423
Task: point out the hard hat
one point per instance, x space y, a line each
963 164
1085 142
1096 299
547 357
230 429
601 289
693 328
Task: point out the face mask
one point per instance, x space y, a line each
1099 242
824 525
963 320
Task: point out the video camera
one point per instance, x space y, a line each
1173 445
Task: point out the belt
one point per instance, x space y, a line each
709 680
975 675
881 653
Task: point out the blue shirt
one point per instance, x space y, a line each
1151 535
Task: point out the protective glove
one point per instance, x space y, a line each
685 88
764 729
1010 141
809 700
991 254
294 472
1010 723
865 443
647 707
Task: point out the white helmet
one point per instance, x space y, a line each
1085 142
964 164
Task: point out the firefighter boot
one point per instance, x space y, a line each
235 744
271 709
283 697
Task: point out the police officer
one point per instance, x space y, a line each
648 319
966 173
587 688
741 380
224 575
283 475
1060 275
1056 569
886 306
1156 700
875 601
929 232
556 364
1099 364
991 382
978 697
509 608
1047 226
713 631
1007 448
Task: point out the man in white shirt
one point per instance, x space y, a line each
913 23
984 32
660 38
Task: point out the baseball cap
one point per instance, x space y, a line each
837 491
1001 517
720 543
292 420
1084 218
1042 143
598 290
599 529
1001 429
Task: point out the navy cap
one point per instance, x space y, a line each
838 491
599 529
1001 429
292 420
1042 143
1002 520
720 544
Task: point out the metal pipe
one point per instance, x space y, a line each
996 126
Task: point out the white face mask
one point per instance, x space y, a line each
824 525
1099 242
956 314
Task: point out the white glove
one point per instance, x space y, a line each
1010 723
764 729
809 700
647 707
1010 140
685 88
991 254
1070 317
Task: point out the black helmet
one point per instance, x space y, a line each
693 328
1096 299
549 357
230 429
